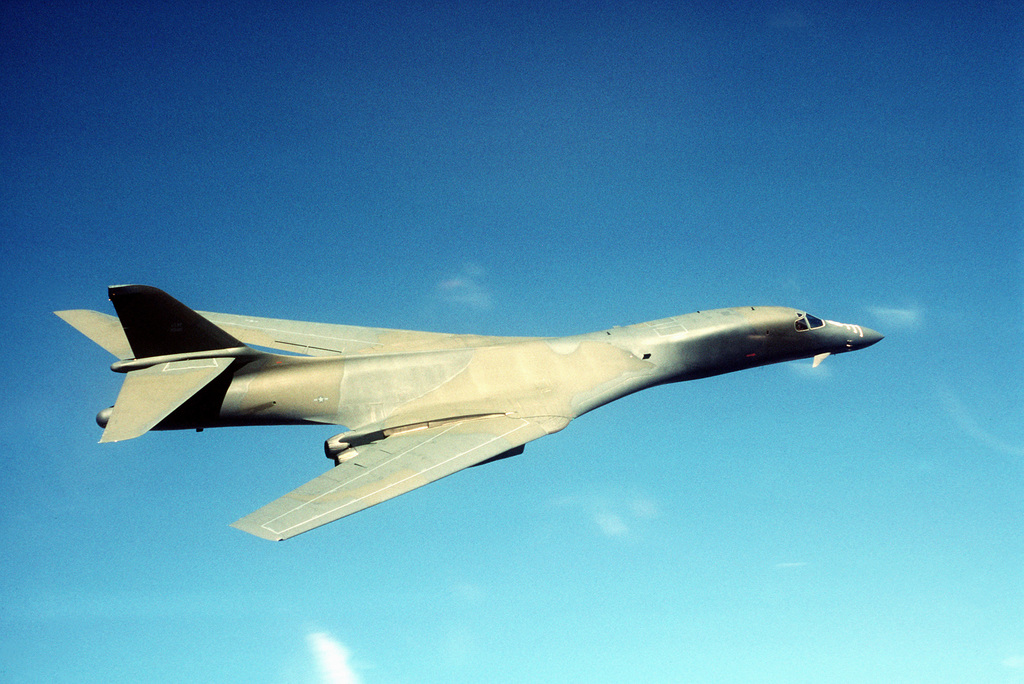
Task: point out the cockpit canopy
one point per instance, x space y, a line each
806 321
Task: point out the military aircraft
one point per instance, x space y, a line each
418 405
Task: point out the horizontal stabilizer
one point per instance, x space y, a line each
392 466
103 329
150 395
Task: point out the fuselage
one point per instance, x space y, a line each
561 378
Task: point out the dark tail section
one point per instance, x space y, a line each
177 353
157 324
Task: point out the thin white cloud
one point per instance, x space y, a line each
611 525
466 288
332 659
908 318
613 517
644 509
963 419
1014 662
469 592
805 368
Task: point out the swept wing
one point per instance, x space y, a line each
300 337
393 466
326 339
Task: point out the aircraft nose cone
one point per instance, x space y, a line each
870 338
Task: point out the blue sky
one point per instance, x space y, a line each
535 169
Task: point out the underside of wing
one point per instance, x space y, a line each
393 466
326 339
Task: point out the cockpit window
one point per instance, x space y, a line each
806 321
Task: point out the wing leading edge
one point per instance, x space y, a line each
390 467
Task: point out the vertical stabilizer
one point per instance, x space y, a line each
157 324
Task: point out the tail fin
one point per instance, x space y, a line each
157 324
177 353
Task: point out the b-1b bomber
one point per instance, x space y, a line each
417 405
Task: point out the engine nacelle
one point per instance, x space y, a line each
103 417
339 449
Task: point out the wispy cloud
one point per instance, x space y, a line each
789 566
332 659
1014 662
469 592
907 318
613 516
610 524
967 423
805 368
466 288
